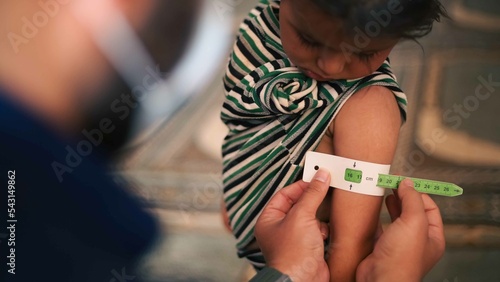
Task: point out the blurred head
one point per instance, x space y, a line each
138 70
347 39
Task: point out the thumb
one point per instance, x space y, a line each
315 192
411 201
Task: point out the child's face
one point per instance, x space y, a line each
314 41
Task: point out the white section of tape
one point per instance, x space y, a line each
337 167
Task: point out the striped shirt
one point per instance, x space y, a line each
275 114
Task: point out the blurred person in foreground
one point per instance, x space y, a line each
64 108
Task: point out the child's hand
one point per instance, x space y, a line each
411 245
290 236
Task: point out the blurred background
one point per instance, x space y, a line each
452 79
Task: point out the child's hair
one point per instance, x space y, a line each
411 19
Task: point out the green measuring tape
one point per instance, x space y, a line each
369 178
421 185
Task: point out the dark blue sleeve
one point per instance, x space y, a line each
83 228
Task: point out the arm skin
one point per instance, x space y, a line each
366 129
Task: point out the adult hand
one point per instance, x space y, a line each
411 245
289 234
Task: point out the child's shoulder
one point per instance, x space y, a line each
263 18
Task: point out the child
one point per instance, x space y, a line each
314 75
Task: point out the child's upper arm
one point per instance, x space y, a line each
366 129
367 126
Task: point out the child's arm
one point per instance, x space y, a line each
366 129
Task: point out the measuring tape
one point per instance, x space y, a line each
369 178
421 185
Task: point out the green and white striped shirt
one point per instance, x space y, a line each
275 114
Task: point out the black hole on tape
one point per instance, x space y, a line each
316 167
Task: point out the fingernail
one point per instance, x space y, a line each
408 182
322 175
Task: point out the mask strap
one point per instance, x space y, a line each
116 39
160 98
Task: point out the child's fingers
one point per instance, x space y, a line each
225 217
379 232
393 207
324 229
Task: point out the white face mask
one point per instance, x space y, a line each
159 98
